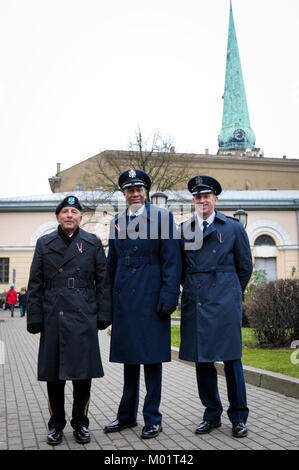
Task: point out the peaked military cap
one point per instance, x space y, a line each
204 184
71 201
134 178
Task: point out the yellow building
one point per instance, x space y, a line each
272 227
237 170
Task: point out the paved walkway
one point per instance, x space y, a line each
273 422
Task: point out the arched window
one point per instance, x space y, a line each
264 240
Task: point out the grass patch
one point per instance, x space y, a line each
175 336
248 336
274 360
176 315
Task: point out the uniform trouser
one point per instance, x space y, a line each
81 397
206 374
128 407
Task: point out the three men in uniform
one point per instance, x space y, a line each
72 289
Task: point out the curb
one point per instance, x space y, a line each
279 383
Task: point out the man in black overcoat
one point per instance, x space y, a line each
69 299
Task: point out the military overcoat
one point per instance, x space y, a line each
68 292
145 271
215 276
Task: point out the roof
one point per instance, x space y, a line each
246 199
229 200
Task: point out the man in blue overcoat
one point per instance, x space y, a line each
145 261
215 275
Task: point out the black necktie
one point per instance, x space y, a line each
205 226
130 218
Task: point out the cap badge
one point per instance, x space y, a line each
71 201
132 174
198 180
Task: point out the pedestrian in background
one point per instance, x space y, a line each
12 298
22 301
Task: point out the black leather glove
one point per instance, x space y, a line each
35 328
165 310
103 324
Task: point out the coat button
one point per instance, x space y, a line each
199 286
214 251
61 313
134 270
133 291
199 304
60 270
135 248
213 285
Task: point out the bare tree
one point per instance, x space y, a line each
155 156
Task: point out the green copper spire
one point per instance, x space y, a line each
236 133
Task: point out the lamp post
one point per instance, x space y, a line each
159 199
242 216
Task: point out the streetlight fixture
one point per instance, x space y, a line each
159 199
242 216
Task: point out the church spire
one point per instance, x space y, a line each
236 133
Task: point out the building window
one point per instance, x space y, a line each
268 265
4 270
79 187
263 240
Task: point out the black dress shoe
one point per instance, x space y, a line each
119 425
151 431
206 426
54 437
239 430
82 435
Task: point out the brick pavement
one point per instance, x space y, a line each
273 421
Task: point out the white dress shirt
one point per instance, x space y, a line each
210 220
139 212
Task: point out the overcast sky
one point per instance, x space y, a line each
79 76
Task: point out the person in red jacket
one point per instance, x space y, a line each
12 298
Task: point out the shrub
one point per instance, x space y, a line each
272 310
258 277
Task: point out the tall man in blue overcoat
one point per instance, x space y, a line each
69 299
145 261
215 275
